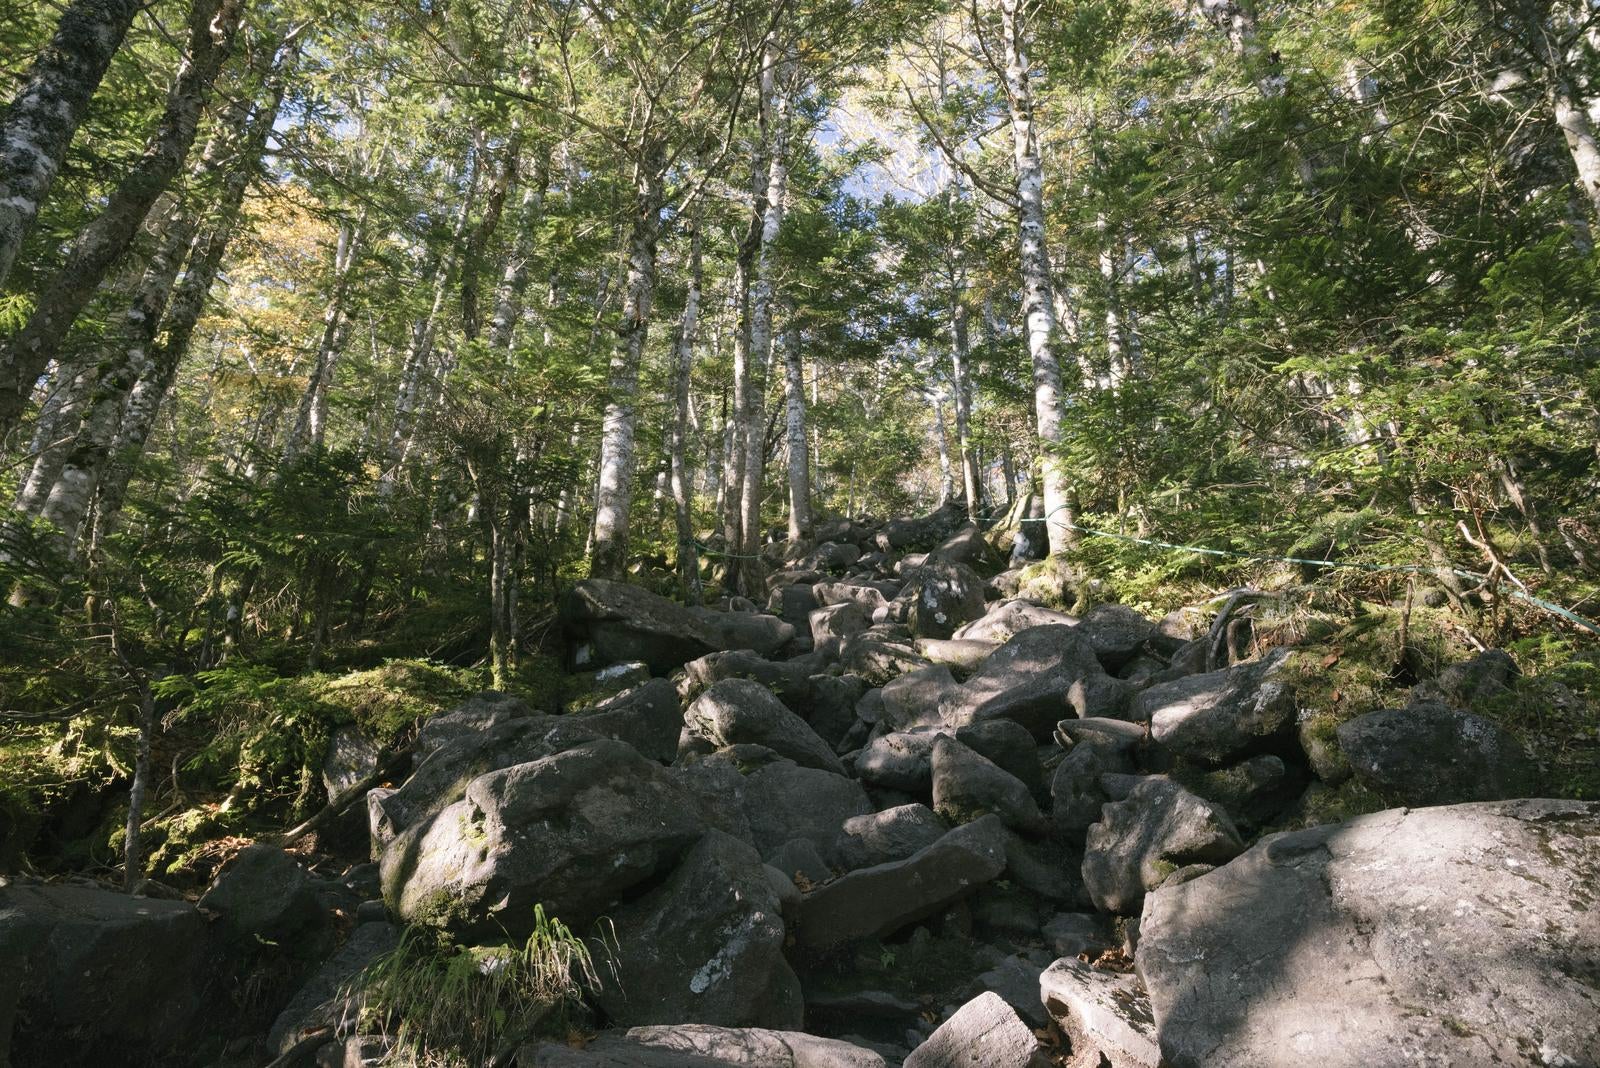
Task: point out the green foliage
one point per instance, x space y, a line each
448 1005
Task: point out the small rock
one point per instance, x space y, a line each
987 1032
1105 1016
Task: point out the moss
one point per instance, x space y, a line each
1324 804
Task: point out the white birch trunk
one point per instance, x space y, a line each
101 243
38 126
1037 302
688 560
794 395
614 490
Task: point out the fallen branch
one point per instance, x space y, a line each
337 807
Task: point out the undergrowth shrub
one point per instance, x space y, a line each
445 1005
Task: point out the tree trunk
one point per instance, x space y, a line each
133 840
100 244
688 559
39 124
58 423
941 437
794 396
775 107
187 302
961 385
310 424
614 493
1038 307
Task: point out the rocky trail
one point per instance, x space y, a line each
895 816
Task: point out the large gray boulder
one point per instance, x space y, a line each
737 711
1489 674
967 785
832 624
873 902
1429 754
1105 1016
704 947
901 760
923 532
569 832
879 659
89 976
647 717
1006 619
893 834
478 713
321 1001
1159 828
1034 678
789 681
263 893
985 1031
942 596
968 546
1075 792
1220 716
784 801
611 622
441 778
1115 632
1458 935
701 1046
915 699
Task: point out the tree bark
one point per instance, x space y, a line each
99 245
688 559
775 108
186 304
794 396
961 386
39 124
614 493
310 424
1037 303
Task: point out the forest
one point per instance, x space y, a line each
811 533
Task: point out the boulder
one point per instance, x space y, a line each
962 656
902 760
1016 980
619 677
1433 755
1489 674
441 778
1252 792
569 832
788 680
832 624
881 837
942 596
476 714
923 532
1009 745
1072 934
879 660
701 1046
736 711
968 546
351 757
1220 716
985 1031
1075 791
830 556
866 594
609 622
967 785
801 861
915 698
1006 619
1139 841
704 947
1031 678
833 706
320 1001
647 717
793 603
873 902
1105 1016
1451 935
89 976
784 801
263 894
1115 632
